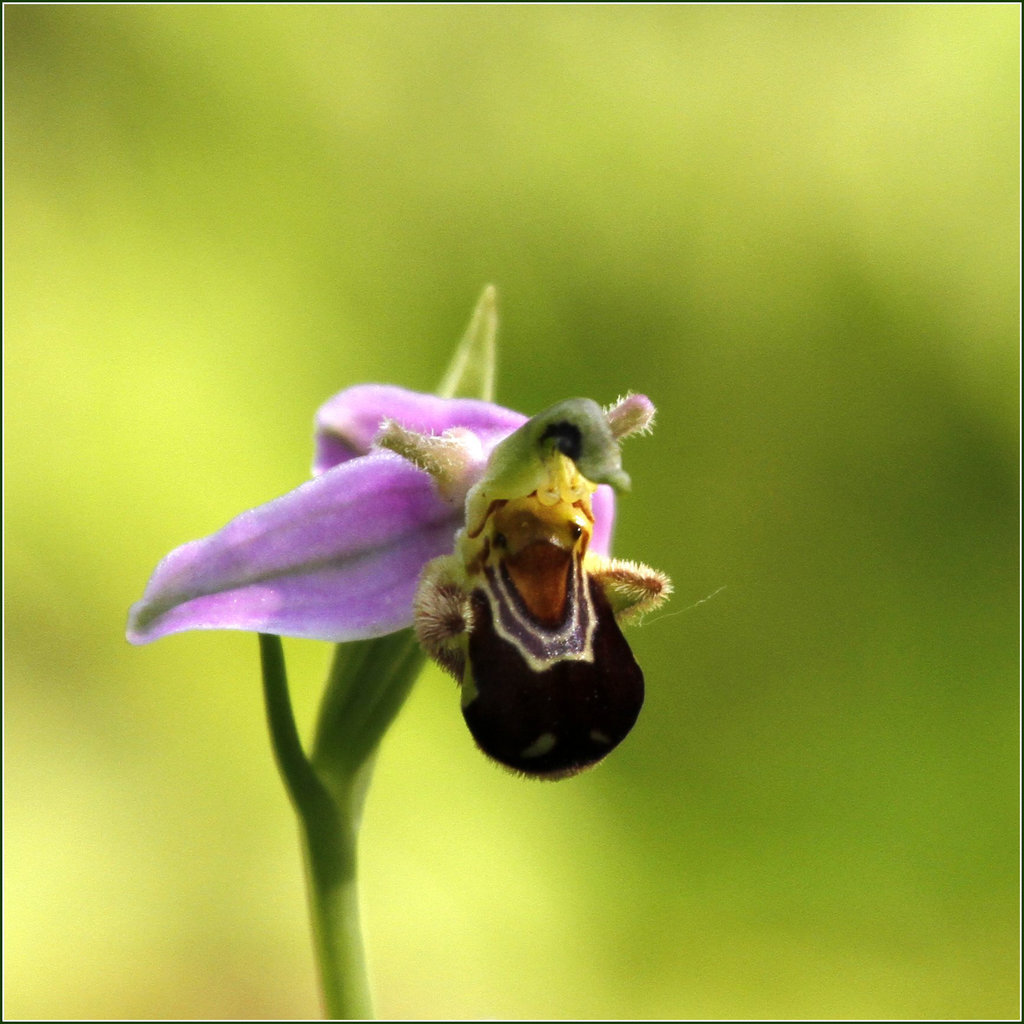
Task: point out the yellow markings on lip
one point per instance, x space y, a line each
475 531
525 521
537 543
559 482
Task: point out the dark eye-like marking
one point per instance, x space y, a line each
500 540
568 439
576 530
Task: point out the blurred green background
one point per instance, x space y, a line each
796 228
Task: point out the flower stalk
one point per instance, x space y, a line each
329 848
368 683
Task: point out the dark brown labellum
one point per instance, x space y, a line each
557 720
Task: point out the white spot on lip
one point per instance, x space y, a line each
469 690
540 746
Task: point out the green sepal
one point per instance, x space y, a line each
470 374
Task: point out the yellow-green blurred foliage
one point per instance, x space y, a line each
796 228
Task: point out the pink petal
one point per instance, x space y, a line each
347 423
336 559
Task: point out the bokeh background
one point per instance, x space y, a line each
796 228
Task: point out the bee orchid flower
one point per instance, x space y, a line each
418 507
487 532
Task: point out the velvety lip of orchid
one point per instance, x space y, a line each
339 558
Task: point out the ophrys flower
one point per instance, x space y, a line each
487 531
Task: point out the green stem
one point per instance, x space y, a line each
304 788
329 846
369 681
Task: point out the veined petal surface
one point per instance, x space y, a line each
336 559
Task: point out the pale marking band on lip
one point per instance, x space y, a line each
542 745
